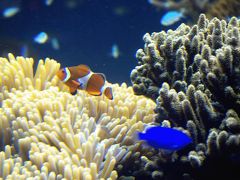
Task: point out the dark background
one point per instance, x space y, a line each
86 32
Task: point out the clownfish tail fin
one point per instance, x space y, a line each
107 91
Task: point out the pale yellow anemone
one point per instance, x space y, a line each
46 133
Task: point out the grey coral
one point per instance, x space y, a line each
193 75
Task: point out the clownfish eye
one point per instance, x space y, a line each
63 71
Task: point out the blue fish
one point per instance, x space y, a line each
165 138
115 53
171 17
48 2
11 11
41 38
55 43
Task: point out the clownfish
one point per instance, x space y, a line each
81 77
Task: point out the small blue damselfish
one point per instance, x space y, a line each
165 138
171 17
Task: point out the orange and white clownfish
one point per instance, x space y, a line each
81 77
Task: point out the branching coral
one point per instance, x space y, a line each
47 133
193 74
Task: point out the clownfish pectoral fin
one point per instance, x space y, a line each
95 84
108 93
73 86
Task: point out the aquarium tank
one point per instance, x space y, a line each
120 89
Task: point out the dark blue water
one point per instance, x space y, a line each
85 33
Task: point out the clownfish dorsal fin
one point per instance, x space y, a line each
79 71
83 70
95 84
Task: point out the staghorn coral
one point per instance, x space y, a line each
193 75
46 133
193 8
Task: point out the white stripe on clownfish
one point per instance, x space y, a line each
103 88
83 81
68 75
